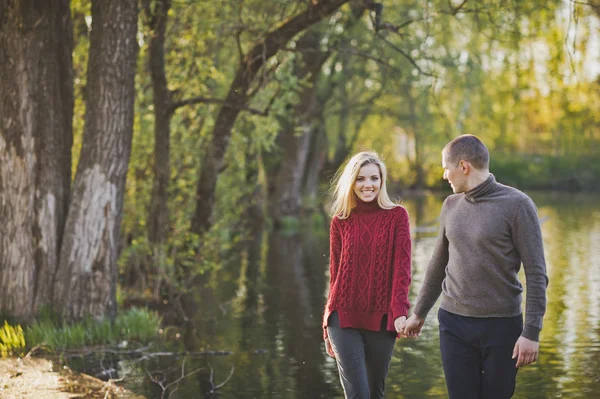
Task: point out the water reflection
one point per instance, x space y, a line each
268 301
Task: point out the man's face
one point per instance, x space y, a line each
455 176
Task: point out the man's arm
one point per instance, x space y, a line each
527 238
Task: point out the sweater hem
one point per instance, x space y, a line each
450 305
361 320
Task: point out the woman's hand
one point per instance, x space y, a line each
329 348
399 325
413 326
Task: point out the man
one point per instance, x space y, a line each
486 230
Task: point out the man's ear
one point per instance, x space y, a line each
465 166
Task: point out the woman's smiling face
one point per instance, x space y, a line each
368 182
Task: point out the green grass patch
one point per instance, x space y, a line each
134 325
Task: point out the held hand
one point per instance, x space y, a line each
413 326
329 348
526 350
399 324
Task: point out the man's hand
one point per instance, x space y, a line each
413 326
526 350
329 348
399 324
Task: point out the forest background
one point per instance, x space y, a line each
143 142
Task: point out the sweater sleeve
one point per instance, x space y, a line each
401 272
436 271
527 238
335 250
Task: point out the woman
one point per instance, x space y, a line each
370 274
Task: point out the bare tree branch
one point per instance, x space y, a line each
238 33
405 55
455 10
206 100
347 50
165 388
262 80
216 387
238 39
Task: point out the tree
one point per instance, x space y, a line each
300 137
238 98
87 272
158 216
296 136
36 109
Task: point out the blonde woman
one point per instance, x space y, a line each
370 274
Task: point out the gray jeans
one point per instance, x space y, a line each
363 358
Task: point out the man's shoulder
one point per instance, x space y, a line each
452 199
513 194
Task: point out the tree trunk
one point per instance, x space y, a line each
36 108
317 158
87 275
413 130
55 132
296 144
158 216
17 165
238 98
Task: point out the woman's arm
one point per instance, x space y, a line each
401 272
335 250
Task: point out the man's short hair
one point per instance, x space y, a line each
469 148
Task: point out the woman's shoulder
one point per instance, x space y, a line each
336 220
399 216
399 210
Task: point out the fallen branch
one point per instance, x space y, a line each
216 387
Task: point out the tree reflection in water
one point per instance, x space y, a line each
266 302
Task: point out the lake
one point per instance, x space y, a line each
264 307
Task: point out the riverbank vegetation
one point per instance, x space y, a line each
131 327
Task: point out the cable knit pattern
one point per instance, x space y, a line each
370 269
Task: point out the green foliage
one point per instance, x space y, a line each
290 225
12 340
499 70
137 325
547 172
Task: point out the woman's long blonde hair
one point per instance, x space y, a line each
344 198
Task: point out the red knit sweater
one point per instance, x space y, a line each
370 270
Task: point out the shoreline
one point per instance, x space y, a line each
35 377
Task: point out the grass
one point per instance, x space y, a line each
134 325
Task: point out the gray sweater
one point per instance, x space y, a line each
484 236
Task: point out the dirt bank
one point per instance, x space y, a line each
32 378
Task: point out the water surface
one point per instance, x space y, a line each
265 306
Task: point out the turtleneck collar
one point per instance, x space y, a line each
364 207
483 189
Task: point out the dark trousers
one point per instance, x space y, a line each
477 355
363 358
